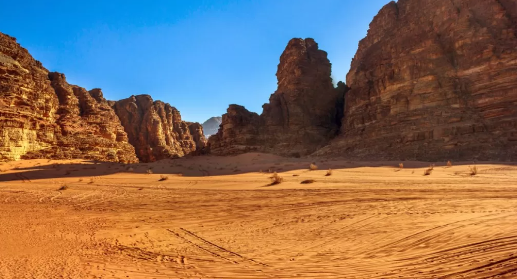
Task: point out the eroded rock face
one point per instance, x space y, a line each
155 129
198 136
300 115
434 80
42 116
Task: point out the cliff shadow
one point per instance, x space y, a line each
203 166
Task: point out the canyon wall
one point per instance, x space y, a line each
156 130
301 115
434 80
42 116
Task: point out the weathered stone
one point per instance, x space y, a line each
434 80
196 130
155 129
42 116
300 115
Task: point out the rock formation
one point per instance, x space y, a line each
42 116
211 126
300 116
434 80
198 136
156 130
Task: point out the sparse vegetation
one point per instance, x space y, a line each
449 164
401 165
163 177
473 170
63 187
429 170
329 172
308 181
313 167
276 179
149 171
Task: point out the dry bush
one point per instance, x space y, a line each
313 167
449 164
329 172
63 187
473 170
308 181
401 165
163 177
429 170
276 179
149 171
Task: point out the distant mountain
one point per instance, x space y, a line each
211 126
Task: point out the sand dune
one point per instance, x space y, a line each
218 217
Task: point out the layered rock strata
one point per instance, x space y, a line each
300 116
42 116
434 80
156 130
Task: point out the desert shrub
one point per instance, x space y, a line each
313 167
163 177
63 187
149 171
449 164
401 165
308 181
429 170
329 172
473 170
276 179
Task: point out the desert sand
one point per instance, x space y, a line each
218 217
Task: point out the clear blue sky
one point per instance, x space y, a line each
199 56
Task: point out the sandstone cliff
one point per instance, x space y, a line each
42 116
301 115
156 130
434 79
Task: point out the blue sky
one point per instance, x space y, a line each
199 56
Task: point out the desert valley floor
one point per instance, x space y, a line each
216 217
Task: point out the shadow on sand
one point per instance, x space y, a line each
200 166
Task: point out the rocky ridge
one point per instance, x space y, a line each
156 130
301 115
42 116
434 80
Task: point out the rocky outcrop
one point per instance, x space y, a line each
300 116
211 126
155 129
434 80
42 116
198 136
